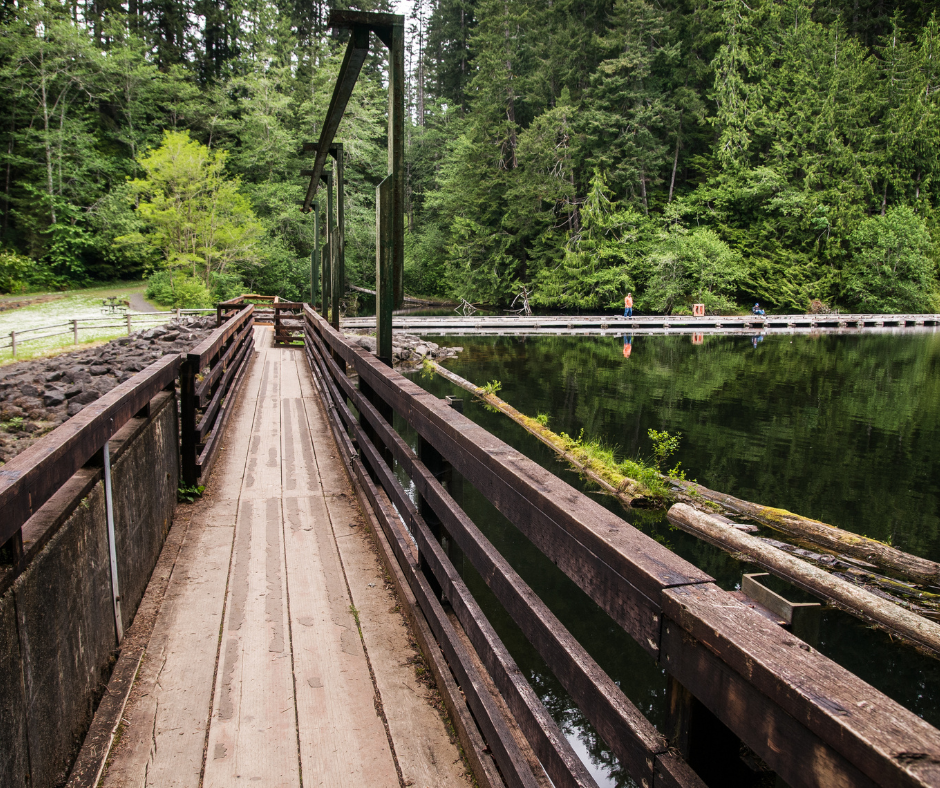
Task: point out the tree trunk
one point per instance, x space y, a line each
47 147
646 208
675 164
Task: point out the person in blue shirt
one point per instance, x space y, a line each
757 310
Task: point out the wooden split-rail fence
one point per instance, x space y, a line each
128 322
734 677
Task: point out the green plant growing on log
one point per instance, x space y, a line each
603 461
491 388
542 420
664 446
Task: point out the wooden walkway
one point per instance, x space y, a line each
510 325
278 656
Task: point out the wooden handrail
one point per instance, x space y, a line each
32 477
776 694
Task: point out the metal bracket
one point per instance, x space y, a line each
801 618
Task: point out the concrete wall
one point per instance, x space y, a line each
57 633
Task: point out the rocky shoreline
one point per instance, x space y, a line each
408 350
38 395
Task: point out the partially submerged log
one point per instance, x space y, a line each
627 490
819 533
838 592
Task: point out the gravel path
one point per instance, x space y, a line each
138 304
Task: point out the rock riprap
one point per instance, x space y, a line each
37 396
407 349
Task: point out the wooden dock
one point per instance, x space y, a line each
278 657
656 324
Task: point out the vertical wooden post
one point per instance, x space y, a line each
384 275
396 154
706 743
315 258
128 325
328 248
339 244
436 464
188 422
13 342
75 332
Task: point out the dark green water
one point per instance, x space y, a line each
841 428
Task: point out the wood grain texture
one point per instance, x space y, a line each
811 704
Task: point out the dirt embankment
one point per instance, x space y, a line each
37 396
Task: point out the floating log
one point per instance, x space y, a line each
838 592
626 489
819 533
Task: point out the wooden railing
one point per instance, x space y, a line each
264 314
210 376
733 676
32 477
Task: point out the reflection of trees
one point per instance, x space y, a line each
829 426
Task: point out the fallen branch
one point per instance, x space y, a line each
838 592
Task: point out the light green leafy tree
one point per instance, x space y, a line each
692 267
891 268
194 215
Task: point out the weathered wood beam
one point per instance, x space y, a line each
348 74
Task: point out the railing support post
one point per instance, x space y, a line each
188 422
706 743
75 332
384 269
112 546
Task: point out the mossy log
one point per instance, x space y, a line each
819 533
627 490
838 592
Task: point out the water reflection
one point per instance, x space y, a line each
841 428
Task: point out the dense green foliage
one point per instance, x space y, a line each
708 151
165 137
687 150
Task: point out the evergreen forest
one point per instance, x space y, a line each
722 152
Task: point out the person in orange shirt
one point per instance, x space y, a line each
628 305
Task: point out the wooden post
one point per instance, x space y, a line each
339 244
327 255
315 258
384 275
438 466
13 342
128 325
396 154
188 423
706 743
335 274
75 332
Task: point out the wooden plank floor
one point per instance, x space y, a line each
279 656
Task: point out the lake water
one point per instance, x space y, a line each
842 428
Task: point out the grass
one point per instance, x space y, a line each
68 305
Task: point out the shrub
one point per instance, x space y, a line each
14 269
178 291
891 268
